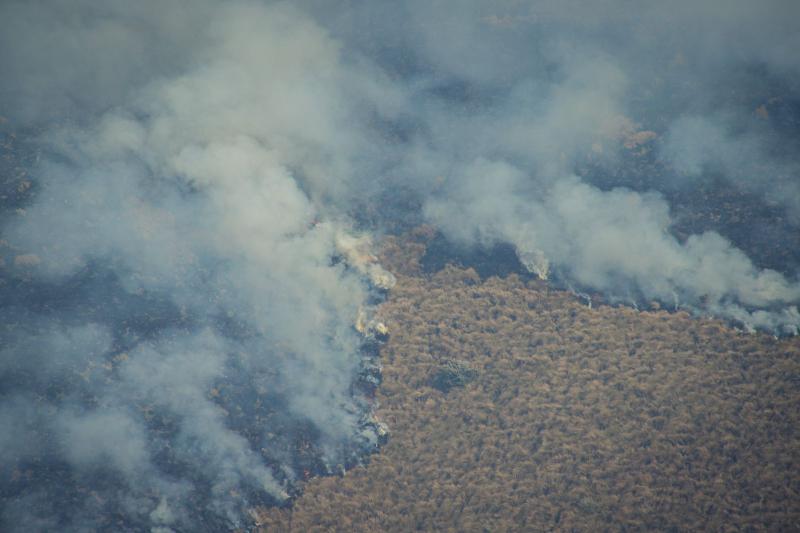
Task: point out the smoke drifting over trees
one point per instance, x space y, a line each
577 419
177 176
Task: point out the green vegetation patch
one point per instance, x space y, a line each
453 373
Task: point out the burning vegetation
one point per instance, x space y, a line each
578 418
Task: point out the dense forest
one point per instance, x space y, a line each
570 417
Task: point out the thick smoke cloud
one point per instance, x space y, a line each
173 279
171 275
534 115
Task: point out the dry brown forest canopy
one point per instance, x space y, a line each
579 419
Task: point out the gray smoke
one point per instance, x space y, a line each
173 279
177 326
568 128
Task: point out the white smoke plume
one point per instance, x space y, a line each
181 281
190 190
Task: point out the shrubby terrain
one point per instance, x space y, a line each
578 419
188 193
